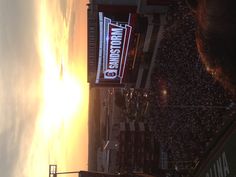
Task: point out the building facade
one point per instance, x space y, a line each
122 41
130 149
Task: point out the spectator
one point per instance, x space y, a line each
186 122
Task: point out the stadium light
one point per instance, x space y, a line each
53 171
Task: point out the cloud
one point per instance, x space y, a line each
19 83
63 7
23 149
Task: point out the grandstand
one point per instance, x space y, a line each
191 115
187 105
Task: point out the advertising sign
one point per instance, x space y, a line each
114 38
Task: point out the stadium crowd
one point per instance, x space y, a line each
186 103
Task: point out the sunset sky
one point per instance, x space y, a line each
43 86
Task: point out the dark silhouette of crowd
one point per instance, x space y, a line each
186 104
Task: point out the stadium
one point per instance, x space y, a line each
153 101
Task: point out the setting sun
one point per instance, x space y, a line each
62 123
62 93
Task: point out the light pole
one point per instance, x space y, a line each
53 171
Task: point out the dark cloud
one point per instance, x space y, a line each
71 32
63 7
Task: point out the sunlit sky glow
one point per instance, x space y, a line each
46 88
60 119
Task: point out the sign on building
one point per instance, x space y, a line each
114 40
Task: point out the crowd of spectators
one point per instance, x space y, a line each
186 103
185 106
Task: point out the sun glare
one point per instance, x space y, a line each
61 89
60 135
